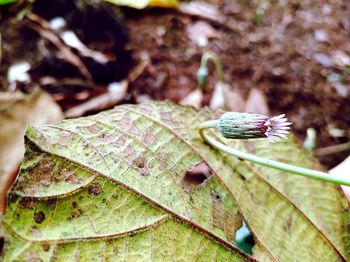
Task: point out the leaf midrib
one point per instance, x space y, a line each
327 240
176 135
207 233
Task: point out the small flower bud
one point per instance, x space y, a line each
202 76
245 126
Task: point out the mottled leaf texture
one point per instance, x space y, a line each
137 183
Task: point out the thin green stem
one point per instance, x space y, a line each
212 56
267 162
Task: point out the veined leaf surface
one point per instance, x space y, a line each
113 186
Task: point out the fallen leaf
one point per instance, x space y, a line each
343 170
235 101
340 58
321 35
323 59
202 9
15 115
140 4
218 99
256 103
341 89
115 93
194 98
199 32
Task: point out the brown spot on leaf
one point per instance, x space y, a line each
75 214
43 172
60 245
51 202
67 176
95 189
233 223
28 202
12 198
39 217
140 163
74 204
110 241
196 176
46 246
218 212
224 219
288 224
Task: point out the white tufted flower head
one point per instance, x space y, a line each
245 126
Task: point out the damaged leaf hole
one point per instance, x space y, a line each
244 239
2 242
196 176
39 217
216 196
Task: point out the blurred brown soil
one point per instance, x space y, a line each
275 56
295 53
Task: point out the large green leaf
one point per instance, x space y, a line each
4 2
115 186
322 203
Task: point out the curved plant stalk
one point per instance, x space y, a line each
212 56
267 162
202 73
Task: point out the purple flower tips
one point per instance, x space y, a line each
277 127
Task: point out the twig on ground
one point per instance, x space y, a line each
330 150
138 70
41 26
207 12
111 98
101 102
48 80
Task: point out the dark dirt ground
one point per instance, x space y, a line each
294 54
